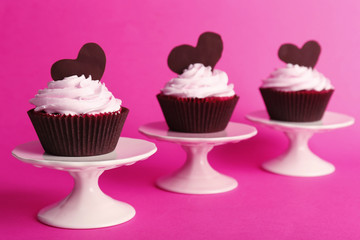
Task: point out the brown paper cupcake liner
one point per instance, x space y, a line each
297 106
79 135
197 115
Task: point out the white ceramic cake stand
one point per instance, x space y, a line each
196 176
298 160
86 206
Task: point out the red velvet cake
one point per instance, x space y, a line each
297 92
76 115
199 99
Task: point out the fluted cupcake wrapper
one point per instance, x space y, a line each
197 115
296 106
79 135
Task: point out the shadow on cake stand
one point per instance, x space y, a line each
196 176
298 160
86 206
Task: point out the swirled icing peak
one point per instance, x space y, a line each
199 81
76 95
297 78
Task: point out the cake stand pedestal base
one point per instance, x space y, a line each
298 160
197 176
86 206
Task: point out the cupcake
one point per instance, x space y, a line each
297 92
199 99
76 115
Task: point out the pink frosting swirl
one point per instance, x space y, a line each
297 78
76 95
199 81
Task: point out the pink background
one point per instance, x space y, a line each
137 37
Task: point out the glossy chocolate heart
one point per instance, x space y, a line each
306 56
207 51
90 61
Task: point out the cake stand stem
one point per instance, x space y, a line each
298 141
86 206
197 164
196 176
299 160
85 184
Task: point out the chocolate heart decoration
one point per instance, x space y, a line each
306 56
207 51
90 61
